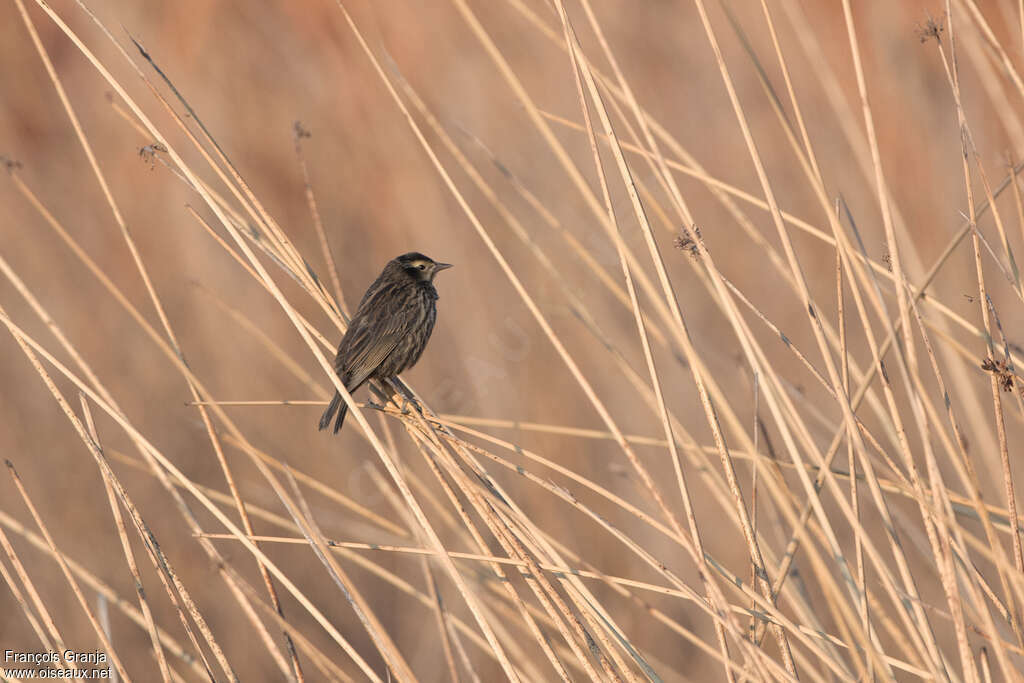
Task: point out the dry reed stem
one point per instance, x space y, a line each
167 640
441 614
714 596
509 273
308 326
556 147
115 659
304 521
289 525
831 625
156 302
37 602
427 439
673 191
19 597
120 297
30 348
411 93
318 225
126 546
503 535
777 219
835 443
877 267
984 303
33 346
967 471
861 576
641 217
290 312
734 581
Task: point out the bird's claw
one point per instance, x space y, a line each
406 402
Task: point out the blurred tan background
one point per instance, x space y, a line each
251 70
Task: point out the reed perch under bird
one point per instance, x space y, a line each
389 330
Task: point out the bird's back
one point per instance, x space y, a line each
388 332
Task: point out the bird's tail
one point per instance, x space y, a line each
336 405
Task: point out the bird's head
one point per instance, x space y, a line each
419 267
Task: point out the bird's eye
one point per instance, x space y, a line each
422 266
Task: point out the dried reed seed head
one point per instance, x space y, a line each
10 164
149 153
688 241
1001 369
929 30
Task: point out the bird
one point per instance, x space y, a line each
389 330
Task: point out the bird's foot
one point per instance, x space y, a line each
406 402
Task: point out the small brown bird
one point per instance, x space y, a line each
390 328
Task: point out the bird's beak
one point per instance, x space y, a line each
438 267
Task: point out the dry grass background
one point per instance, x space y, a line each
943 575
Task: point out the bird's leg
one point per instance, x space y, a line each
381 396
387 394
408 399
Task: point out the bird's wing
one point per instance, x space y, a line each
373 334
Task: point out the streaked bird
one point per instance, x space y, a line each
389 330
